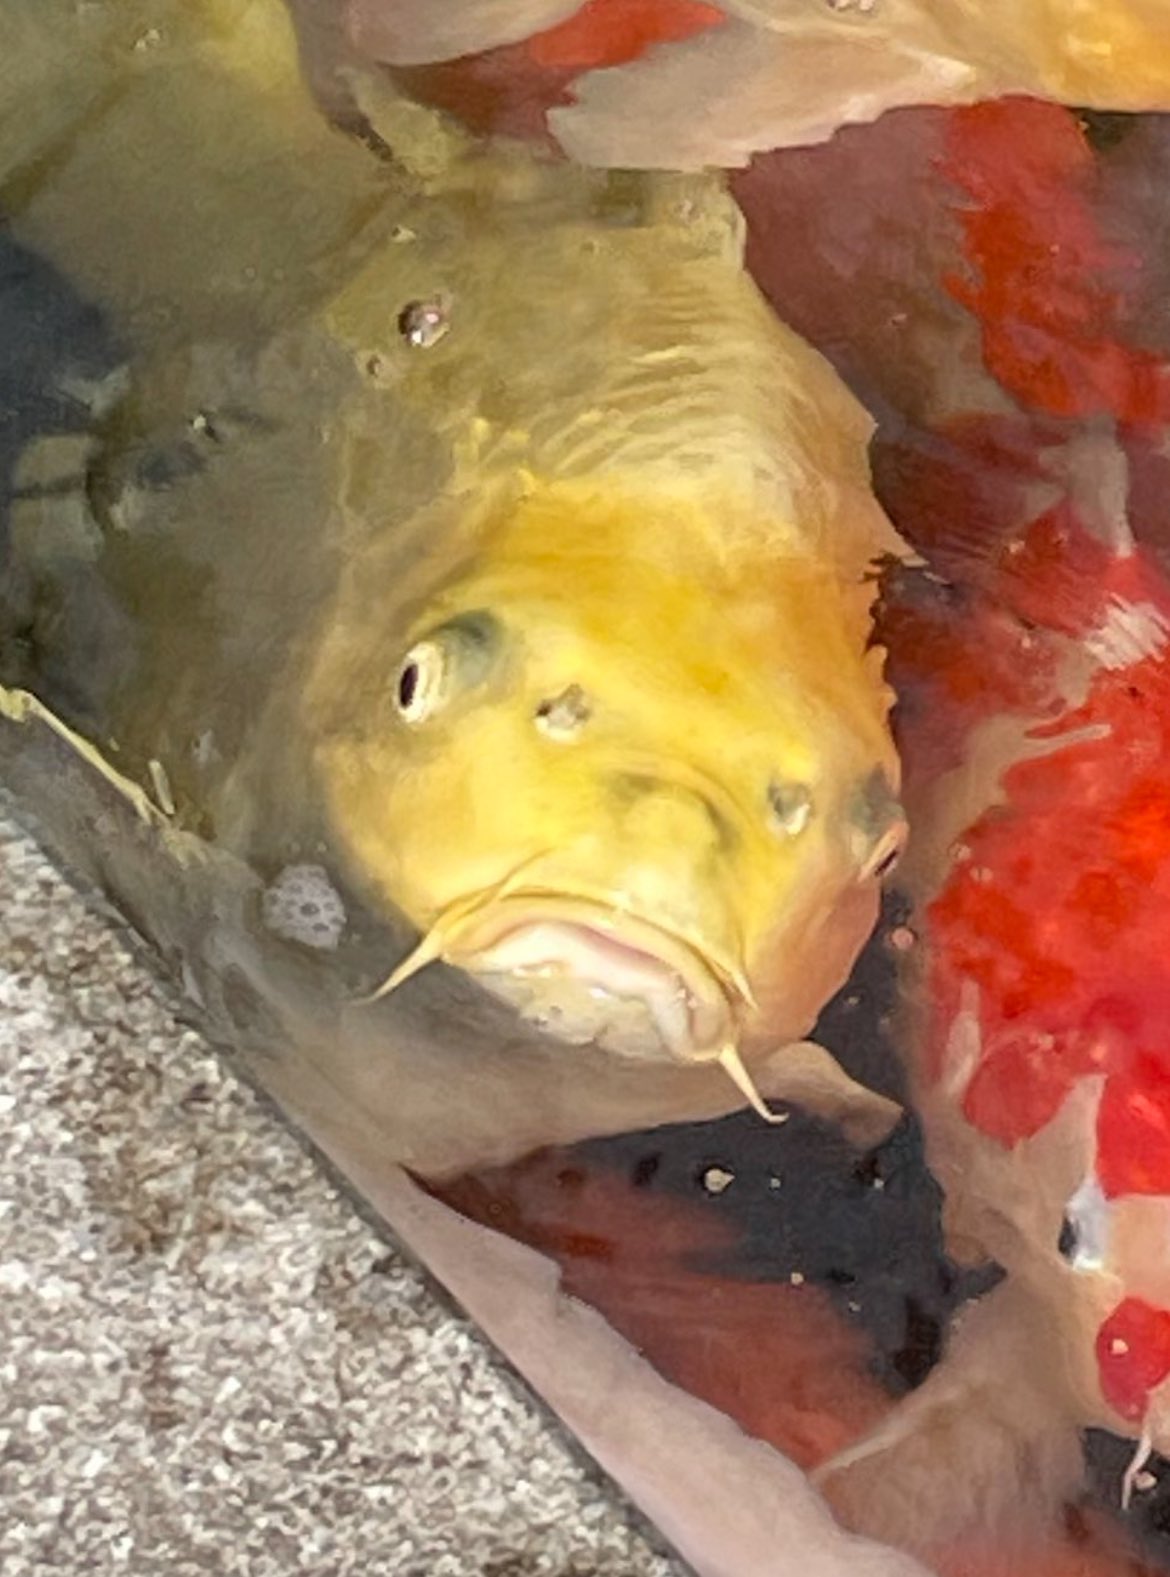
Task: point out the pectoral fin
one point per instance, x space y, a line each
947 1469
721 97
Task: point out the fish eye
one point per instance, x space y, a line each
789 806
450 660
422 686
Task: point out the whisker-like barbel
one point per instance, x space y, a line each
451 920
733 1065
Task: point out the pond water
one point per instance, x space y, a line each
394 508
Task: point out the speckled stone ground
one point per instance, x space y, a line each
208 1361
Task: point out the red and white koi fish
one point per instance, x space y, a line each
679 84
1034 677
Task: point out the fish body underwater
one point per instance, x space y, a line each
1021 449
617 82
456 544
991 281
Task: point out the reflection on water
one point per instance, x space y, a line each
410 537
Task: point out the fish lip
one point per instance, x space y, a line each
709 986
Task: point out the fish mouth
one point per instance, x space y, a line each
589 971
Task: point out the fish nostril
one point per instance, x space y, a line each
790 807
561 716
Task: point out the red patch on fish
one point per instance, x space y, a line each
1133 1129
1046 284
1056 914
778 1359
1133 1356
509 91
614 32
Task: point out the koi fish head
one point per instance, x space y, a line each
643 798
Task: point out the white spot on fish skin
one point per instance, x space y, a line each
775 1183
302 905
797 1278
716 1179
902 939
1118 1347
1144 1481
964 1043
1129 633
1087 1212
858 7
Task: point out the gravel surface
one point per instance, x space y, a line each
208 1361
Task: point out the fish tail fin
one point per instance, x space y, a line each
983 1454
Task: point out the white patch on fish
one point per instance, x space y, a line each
1087 1211
964 1043
1130 633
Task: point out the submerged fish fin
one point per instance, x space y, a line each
21 706
809 1076
986 1449
758 89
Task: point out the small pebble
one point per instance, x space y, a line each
716 1179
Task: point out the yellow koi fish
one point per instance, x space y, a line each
459 548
